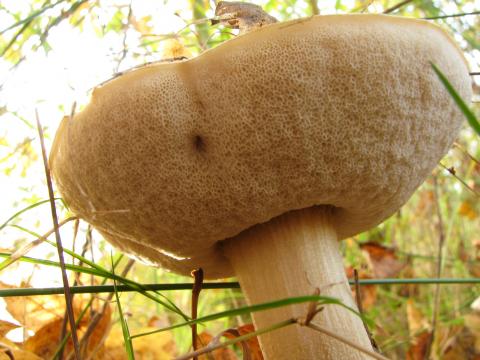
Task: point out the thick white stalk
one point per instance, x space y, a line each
291 256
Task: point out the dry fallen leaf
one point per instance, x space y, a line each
158 346
418 348
34 311
383 260
252 343
6 327
46 339
467 210
461 346
220 354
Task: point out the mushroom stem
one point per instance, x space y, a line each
289 256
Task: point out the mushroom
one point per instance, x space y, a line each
254 158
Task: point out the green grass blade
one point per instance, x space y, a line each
471 118
323 300
126 333
24 210
105 273
71 267
82 314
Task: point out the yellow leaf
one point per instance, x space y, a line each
416 320
466 209
159 346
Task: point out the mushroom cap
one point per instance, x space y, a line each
169 159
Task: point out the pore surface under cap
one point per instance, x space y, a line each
169 159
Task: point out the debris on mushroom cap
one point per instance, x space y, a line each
243 16
169 159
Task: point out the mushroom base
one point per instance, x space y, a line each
289 256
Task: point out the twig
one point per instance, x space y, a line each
441 241
475 73
452 171
68 295
346 342
197 287
124 40
358 299
396 7
63 333
465 152
211 347
450 16
31 245
312 311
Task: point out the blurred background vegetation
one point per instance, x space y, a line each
53 52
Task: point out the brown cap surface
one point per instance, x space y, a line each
171 158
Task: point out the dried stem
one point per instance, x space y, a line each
452 171
66 287
441 242
197 287
31 245
312 311
358 299
397 6
346 341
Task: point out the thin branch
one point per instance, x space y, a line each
465 152
197 287
475 73
451 16
18 254
124 40
452 171
67 293
211 347
441 242
346 342
397 6
358 298
32 16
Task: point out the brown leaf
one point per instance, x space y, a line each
46 339
34 311
461 346
252 343
368 292
242 16
383 260
220 354
425 202
418 348
6 327
467 210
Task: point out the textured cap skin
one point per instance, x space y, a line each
170 159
